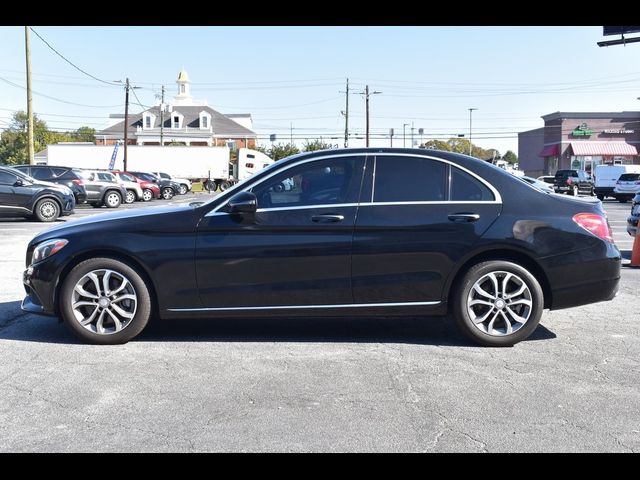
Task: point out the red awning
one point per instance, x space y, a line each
549 151
603 148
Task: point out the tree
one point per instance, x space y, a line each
85 134
510 157
283 150
492 154
436 145
13 141
315 145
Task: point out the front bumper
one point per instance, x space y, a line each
39 283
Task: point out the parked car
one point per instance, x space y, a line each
60 175
150 190
606 176
24 196
632 221
627 186
431 233
546 179
573 182
168 188
101 192
133 189
545 187
184 184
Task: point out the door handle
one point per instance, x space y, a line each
327 218
464 217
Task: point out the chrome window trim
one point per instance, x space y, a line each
496 193
294 307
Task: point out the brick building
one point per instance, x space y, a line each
184 121
579 140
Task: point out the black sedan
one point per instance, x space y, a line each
361 232
23 196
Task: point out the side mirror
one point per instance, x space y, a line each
243 202
18 182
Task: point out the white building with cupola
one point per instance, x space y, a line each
182 121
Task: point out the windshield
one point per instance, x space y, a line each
127 178
145 176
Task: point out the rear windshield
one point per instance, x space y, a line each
629 177
566 173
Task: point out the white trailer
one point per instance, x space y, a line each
209 165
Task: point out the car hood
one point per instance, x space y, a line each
138 216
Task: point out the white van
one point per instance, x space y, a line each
606 176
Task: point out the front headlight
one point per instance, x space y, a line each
48 248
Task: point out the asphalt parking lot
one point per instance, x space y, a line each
316 384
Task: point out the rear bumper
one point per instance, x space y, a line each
603 190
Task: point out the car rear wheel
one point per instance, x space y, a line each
210 185
498 303
147 195
183 189
167 193
600 197
224 185
104 301
131 197
112 200
47 210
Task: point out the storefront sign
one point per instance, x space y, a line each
618 130
582 130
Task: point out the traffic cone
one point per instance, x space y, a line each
635 253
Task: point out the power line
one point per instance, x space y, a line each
69 61
57 99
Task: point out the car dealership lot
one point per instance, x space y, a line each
319 384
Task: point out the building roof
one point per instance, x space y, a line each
221 124
579 115
182 76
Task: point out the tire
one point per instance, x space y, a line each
600 197
137 311
112 199
147 195
130 198
210 185
497 309
46 210
167 193
224 185
183 189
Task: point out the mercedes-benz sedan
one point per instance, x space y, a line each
360 232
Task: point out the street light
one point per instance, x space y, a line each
404 135
470 128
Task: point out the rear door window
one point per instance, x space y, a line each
409 179
41 173
466 188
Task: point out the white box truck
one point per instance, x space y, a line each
606 176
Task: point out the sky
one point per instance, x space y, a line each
289 76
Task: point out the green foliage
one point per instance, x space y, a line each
85 134
282 150
436 145
13 141
510 157
316 145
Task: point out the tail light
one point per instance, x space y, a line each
569 181
596 224
78 182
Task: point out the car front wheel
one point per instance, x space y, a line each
104 301
113 200
183 189
147 195
47 210
131 197
167 193
498 303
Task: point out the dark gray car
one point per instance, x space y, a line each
101 192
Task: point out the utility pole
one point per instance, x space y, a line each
27 49
162 118
366 96
126 120
346 117
470 131
291 141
